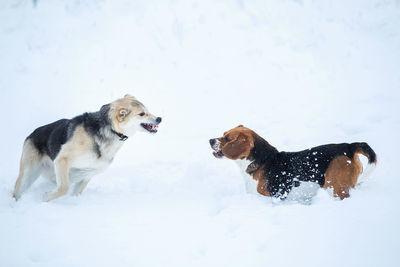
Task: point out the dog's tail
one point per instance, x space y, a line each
367 151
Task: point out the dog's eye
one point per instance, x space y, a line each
226 139
142 114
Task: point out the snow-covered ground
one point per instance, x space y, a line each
300 73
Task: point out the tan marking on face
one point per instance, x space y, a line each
124 109
237 143
342 175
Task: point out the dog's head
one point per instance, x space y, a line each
241 143
128 115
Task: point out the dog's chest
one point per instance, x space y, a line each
99 158
250 183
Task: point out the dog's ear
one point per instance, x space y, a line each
238 148
129 96
105 108
122 113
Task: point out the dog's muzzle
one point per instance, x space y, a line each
152 127
216 146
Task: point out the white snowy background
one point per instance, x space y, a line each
300 73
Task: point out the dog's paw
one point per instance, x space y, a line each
47 197
252 167
76 194
16 197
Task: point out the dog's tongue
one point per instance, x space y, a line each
217 154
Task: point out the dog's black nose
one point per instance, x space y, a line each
158 119
212 142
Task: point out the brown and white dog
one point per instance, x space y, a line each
292 175
72 151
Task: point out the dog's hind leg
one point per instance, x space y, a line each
48 170
29 170
62 178
342 175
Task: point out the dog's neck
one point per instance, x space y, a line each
259 158
261 154
100 125
121 136
244 165
103 118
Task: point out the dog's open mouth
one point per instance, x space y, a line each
152 128
218 154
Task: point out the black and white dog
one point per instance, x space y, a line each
72 151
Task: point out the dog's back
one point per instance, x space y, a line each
49 138
317 164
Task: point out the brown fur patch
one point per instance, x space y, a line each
259 176
237 143
262 188
342 175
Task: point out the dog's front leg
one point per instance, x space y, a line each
80 186
62 172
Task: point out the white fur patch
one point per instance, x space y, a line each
217 145
89 164
367 168
250 183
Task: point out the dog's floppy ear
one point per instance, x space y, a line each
238 148
122 113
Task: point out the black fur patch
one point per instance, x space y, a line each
284 170
96 149
49 138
